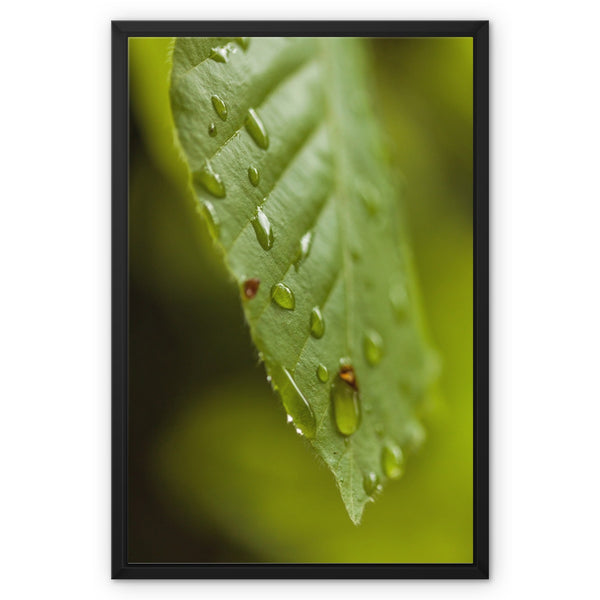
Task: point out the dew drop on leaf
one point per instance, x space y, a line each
212 130
256 129
303 249
283 296
254 175
251 287
317 323
210 181
370 199
219 106
263 230
212 219
373 347
392 461
297 406
221 54
370 483
322 373
346 404
398 299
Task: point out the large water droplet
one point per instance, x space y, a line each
263 230
210 181
398 299
373 347
212 219
254 175
392 461
370 483
222 53
322 373
212 130
303 249
256 129
283 296
219 106
346 406
317 323
297 406
251 287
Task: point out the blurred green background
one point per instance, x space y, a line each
214 473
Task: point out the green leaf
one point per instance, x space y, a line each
285 157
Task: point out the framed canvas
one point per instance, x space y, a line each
300 299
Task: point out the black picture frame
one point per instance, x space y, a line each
121 31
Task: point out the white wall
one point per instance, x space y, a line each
54 318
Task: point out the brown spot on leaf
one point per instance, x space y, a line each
347 374
251 287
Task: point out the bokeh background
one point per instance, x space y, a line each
215 475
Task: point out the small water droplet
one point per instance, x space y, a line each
289 419
256 129
373 347
212 219
392 460
210 181
398 299
212 130
221 54
283 296
317 323
254 175
219 106
370 483
371 198
243 42
268 379
263 230
251 287
346 404
322 373
297 406
303 249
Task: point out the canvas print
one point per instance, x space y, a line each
300 289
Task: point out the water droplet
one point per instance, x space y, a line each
373 347
243 42
304 249
256 129
289 419
221 54
399 299
317 323
253 175
219 106
210 181
212 130
371 198
392 461
212 219
251 287
283 296
268 379
370 483
263 230
322 373
297 406
346 408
